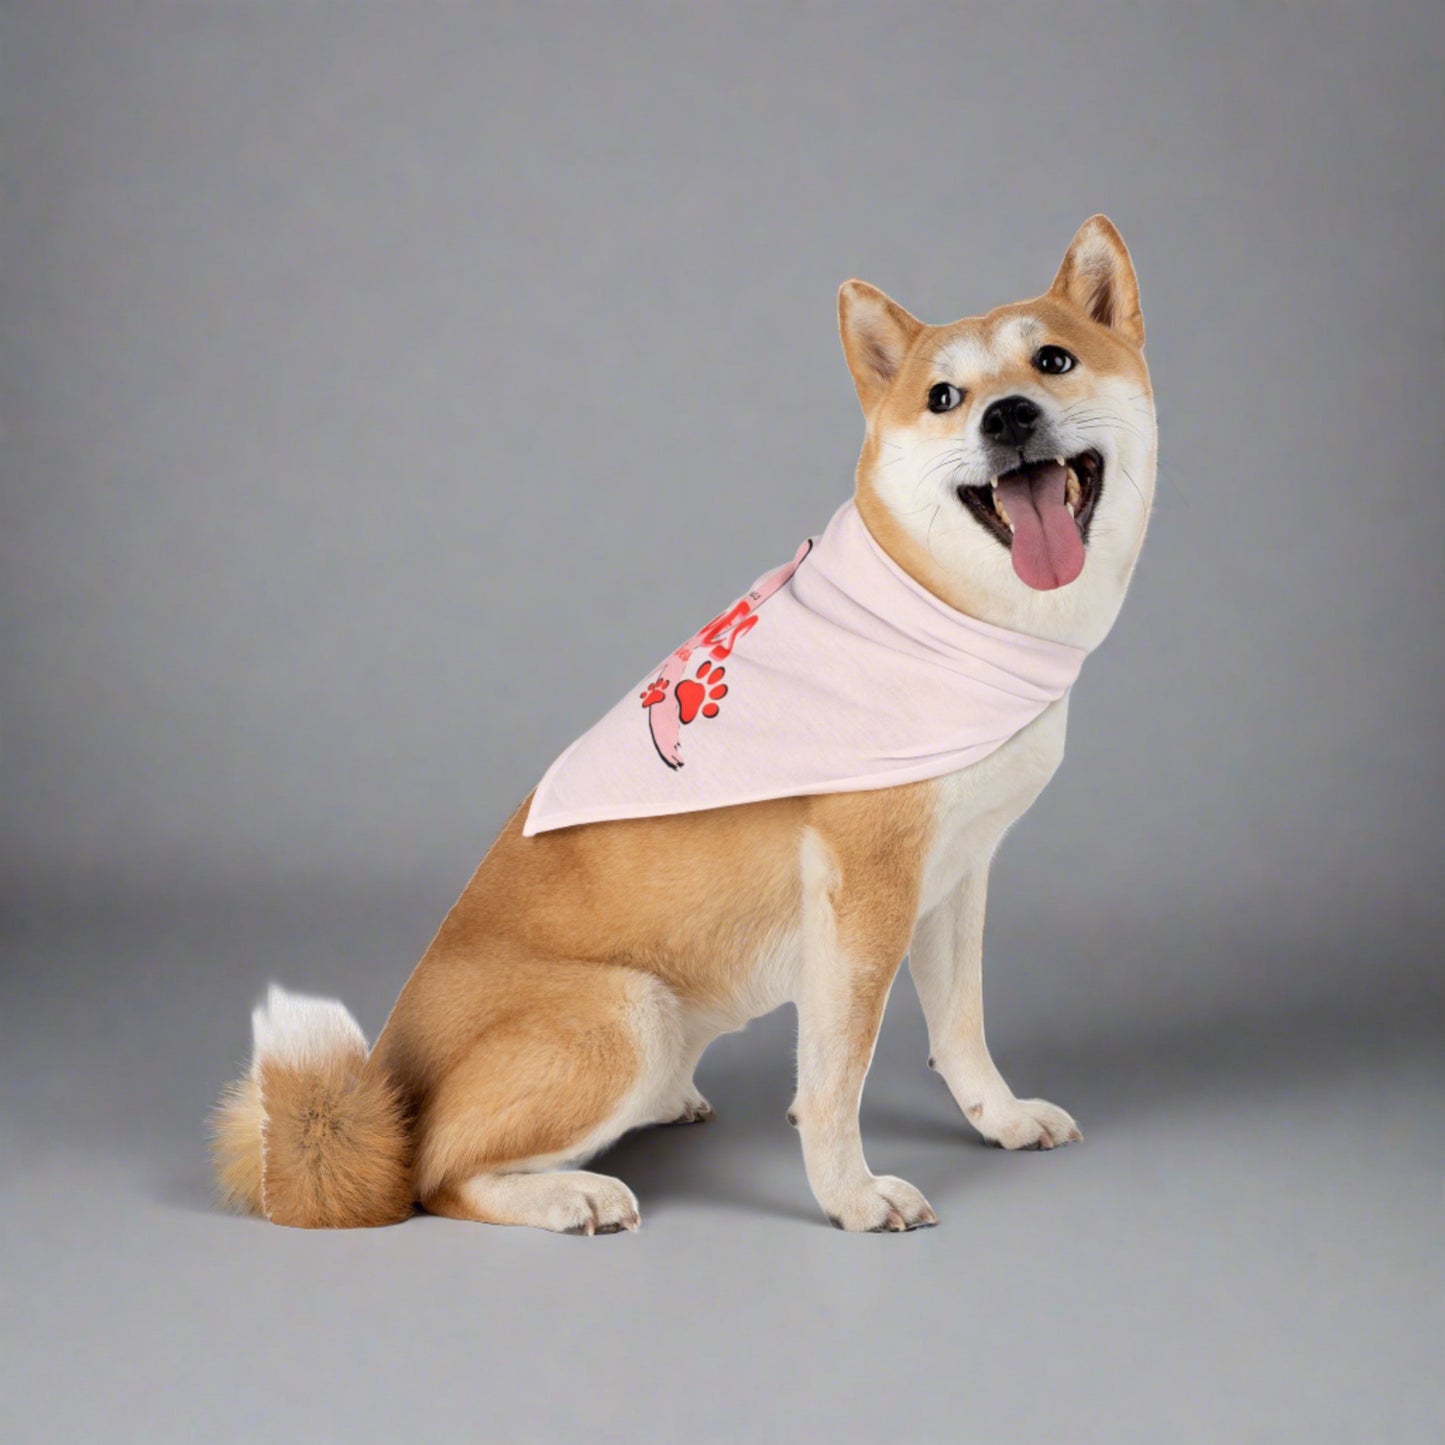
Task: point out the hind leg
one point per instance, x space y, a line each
592 1053
570 1201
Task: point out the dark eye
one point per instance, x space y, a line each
943 396
1053 360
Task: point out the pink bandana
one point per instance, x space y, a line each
835 673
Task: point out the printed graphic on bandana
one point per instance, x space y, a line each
682 694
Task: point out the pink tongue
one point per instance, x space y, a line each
1047 549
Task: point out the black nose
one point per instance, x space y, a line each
1010 421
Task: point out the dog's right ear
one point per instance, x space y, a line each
877 334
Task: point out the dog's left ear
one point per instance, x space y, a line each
1098 277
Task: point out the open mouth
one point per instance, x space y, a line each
1041 512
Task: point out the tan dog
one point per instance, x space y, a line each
567 998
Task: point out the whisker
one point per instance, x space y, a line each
928 535
1134 484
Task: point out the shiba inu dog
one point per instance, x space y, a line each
1005 480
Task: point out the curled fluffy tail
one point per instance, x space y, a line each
313 1135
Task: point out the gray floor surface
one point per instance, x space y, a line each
1245 1247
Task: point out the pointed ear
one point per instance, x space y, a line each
1098 277
877 334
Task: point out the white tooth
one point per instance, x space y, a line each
1059 460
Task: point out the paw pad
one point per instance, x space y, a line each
702 693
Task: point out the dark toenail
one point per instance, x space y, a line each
835 1221
932 1064
792 1119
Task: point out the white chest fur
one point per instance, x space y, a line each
976 806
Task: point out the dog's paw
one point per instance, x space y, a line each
1025 1124
693 1110
883 1205
583 1203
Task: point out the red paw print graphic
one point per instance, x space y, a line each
654 692
701 694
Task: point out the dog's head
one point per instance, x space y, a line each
1009 462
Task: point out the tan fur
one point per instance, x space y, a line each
877 843
236 1145
337 1146
576 981
551 1059
315 1135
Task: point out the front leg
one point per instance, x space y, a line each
946 961
853 943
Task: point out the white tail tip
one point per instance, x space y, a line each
303 1031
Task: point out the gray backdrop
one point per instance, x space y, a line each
386 386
